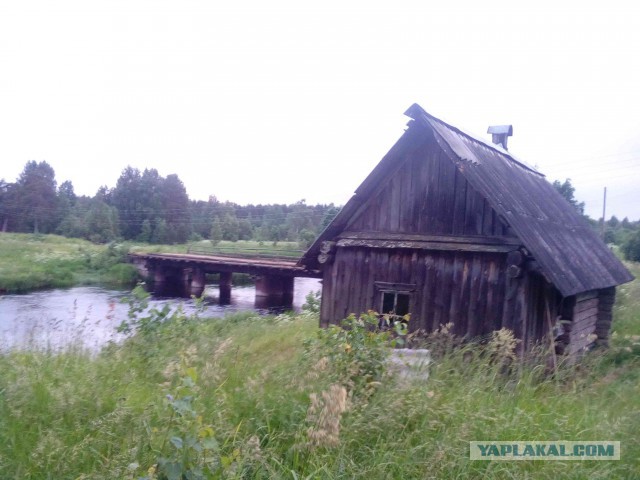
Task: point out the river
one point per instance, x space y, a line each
89 316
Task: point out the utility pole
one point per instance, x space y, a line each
604 210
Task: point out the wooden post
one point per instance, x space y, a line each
274 291
196 285
159 279
225 288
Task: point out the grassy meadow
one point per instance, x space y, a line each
30 262
273 397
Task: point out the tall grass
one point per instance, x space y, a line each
256 397
31 262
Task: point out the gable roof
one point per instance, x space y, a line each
567 249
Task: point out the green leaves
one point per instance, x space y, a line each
357 351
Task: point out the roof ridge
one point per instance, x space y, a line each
415 108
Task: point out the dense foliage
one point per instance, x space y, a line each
622 233
567 190
147 207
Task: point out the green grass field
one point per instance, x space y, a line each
248 248
256 397
30 262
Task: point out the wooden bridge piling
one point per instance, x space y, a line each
274 290
225 288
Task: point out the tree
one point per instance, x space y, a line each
631 247
90 218
215 234
330 215
128 198
36 196
148 196
8 205
245 230
175 207
101 221
567 191
160 233
202 215
145 233
66 199
230 227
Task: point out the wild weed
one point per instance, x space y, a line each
356 352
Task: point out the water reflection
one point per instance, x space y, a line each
89 316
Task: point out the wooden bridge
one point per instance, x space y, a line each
183 275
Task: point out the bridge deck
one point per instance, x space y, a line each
223 263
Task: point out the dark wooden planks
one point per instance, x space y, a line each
426 194
463 288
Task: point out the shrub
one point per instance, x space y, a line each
122 274
356 352
312 302
631 247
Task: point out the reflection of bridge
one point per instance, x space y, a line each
183 275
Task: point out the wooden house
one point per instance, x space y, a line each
451 228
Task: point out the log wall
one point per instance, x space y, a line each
469 289
583 322
606 299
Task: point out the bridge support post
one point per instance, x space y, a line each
225 288
159 279
274 291
194 280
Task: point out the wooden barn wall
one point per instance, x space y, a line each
469 289
542 310
606 300
583 324
464 288
428 195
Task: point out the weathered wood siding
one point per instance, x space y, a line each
606 300
464 288
469 289
583 322
428 195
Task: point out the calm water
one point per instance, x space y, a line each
90 315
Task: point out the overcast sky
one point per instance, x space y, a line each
269 101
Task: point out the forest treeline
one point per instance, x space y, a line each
147 207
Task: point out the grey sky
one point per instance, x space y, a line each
274 101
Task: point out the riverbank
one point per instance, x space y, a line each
31 262
256 397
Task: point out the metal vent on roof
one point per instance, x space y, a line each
500 133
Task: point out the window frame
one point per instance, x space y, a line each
387 319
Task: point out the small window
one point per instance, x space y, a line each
395 303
